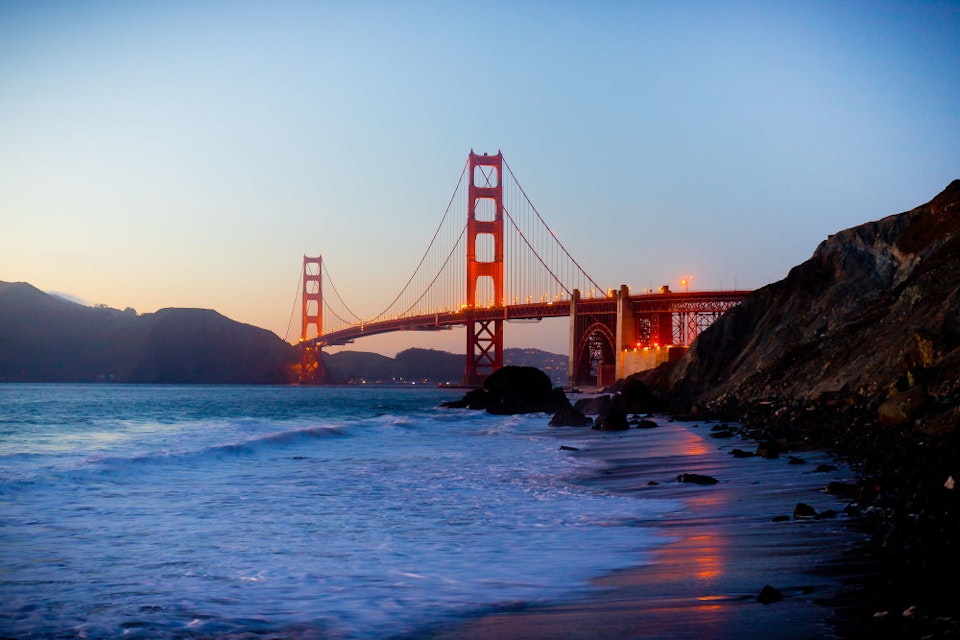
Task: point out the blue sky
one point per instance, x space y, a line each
188 154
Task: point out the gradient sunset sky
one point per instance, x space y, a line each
188 154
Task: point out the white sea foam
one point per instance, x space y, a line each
357 512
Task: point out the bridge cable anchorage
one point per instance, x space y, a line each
427 251
544 223
293 310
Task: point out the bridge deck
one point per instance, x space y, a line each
674 302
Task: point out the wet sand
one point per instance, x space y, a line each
718 551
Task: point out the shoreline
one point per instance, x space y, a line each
719 551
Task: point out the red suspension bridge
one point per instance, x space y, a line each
493 259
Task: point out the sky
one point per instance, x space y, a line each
189 154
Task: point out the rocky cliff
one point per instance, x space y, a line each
857 351
875 312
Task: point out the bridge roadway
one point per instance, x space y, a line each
700 302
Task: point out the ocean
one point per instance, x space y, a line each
321 512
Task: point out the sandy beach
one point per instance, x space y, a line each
718 552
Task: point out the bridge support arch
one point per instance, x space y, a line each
484 267
594 331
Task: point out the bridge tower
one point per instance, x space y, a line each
484 266
312 370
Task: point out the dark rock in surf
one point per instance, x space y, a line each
570 417
513 390
769 595
768 449
803 510
476 399
696 478
614 418
593 406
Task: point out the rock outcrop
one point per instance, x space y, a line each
511 390
857 351
874 313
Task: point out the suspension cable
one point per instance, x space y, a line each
427 251
439 272
537 255
339 297
337 316
293 309
543 222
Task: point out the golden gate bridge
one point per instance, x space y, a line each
493 259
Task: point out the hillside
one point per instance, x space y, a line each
857 351
428 365
48 339
875 310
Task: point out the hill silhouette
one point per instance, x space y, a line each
428 365
49 339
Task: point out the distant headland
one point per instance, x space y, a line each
48 338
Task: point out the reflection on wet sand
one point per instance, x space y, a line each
718 552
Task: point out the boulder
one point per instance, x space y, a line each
768 449
476 399
769 595
570 417
696 478
511 390
614 418
902 407
638 398
593 406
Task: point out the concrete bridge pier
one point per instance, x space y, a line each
627 334
574 341
611 341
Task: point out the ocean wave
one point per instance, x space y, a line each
196 450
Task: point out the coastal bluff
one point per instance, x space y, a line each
874 312
857 351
